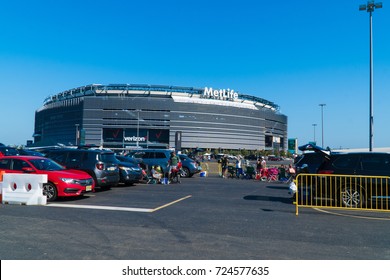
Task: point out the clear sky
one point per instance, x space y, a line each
297 54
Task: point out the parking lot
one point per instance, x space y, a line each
201 218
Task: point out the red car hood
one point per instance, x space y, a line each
68 173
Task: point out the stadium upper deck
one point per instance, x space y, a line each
170 91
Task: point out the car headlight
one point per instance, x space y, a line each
68 180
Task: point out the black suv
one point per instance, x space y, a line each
368 187
100 164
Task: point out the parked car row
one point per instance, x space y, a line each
61 181
101 165
73 172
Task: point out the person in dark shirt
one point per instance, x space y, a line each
224 162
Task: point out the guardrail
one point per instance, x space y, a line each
351 192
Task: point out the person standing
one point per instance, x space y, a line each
238 167
220 167
173 161
258 166
263 169
224 162
291 171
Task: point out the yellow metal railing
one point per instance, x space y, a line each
342 192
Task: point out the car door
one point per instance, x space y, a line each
14 165
162 160
376 165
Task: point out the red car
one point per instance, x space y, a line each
61 182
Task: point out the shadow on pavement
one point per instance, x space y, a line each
269 198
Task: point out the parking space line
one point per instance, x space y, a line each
116 208
171 203
352 216
112 208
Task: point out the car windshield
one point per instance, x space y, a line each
108 157
137 155
46 164
125 159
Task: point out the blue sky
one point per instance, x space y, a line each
296 54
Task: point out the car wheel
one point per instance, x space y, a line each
351 196
50 191
186 172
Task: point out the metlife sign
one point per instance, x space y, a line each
221 94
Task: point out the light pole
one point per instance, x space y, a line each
138 110
77 134
322 122
314 127
370 8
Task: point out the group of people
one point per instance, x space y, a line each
158 174
223 165
284 172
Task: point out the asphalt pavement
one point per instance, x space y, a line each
201 219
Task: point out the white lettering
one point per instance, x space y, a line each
208 91
134 139
222 94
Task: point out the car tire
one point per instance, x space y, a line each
50 191
186 172
351 196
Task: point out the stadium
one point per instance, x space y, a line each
126 116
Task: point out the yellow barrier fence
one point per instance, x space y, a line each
343 192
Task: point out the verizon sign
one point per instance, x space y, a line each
134 139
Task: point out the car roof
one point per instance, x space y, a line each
25 157
360 153
81 150
150 150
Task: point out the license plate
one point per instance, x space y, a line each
88 188
111 168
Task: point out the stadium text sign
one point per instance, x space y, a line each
134 139
222 94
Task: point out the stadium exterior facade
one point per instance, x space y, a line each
122 116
